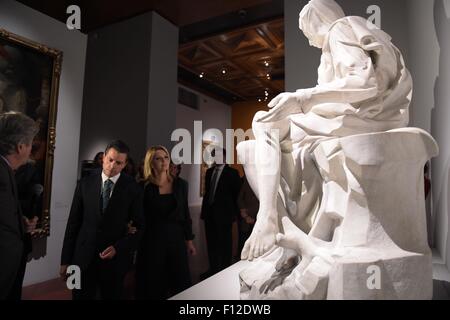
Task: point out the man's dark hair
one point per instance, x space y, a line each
119 146
97 156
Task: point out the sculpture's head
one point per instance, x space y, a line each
316 19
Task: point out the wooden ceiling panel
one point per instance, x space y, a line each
277 85
198 54
258 92
243 84
252 57
241 43
276 63
249 92
222 70
262 64
275 31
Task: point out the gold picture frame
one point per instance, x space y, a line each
30 72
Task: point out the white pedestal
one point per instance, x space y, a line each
221 286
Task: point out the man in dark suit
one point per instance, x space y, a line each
220 210
16 136
97 238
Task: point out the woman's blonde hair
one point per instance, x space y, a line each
149 173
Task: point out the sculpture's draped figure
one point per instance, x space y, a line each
339 176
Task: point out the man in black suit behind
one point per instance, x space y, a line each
97 238
16 136
220 210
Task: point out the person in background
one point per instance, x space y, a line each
248 206
16 136
140 173
97 238
91 167
175 169
98 159
130 168
162 268
220 210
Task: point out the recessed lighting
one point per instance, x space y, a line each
259 99
201 75
266 63
224 71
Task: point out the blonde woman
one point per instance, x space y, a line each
162 266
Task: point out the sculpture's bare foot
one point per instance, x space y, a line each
261 240
295 239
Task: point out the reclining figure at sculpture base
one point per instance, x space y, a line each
339 176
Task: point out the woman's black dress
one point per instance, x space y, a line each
162 268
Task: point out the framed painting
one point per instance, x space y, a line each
29 82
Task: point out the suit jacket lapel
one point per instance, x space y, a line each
95 192
12 179
16 196
13 183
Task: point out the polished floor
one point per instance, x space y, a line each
57 290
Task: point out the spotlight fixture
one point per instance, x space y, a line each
224 71
266 63
201 75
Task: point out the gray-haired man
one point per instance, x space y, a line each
16 136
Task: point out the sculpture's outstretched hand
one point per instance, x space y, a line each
283 105
261 241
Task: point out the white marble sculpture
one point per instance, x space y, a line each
338 176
